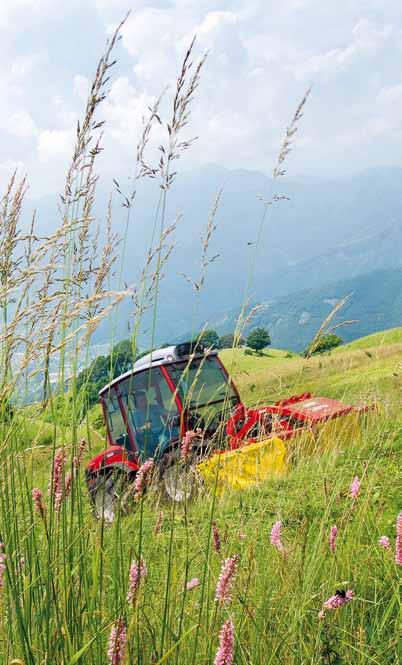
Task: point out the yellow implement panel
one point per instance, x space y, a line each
245 467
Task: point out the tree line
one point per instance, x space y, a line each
123 356
257 340
104 369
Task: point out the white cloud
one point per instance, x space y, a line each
214 21
10 10
367 39
150 30
390 94
154 38
21 124
125 111
262 56
14 75
8 166
55 144
157 39
106 7
81 86
376 127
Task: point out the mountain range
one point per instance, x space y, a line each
375 304
319 239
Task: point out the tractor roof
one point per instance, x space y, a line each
164 356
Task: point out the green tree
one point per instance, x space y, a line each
103 369
325 343
122 357
209 338
258 339
227 341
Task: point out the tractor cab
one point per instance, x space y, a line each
168 392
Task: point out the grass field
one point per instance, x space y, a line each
288 572
61 603
356 370
377 340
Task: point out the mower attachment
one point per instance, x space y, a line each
244 467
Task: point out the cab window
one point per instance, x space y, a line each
151 410
115 419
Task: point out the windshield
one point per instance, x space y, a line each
151 411
204 389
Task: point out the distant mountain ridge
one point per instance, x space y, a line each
329 230
293 320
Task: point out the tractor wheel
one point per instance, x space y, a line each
110 493
179 482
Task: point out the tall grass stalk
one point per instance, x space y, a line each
66 574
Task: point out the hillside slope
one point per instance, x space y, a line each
350 372
379 339
375 304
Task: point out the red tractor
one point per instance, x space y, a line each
169 392
148 410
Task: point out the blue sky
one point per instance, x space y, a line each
262 57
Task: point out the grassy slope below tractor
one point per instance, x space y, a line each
276 600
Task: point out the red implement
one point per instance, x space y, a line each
284 418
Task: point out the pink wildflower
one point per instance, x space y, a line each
340 598
226 579
142 477
355 487
225 653
399 525
191 584
77 459
186 444
56 485
37 499
384 542
3 558
276 536
332 538
216 537
117 643
398 544
138 571
67 484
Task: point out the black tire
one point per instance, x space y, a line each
179 481
111 493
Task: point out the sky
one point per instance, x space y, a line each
262 57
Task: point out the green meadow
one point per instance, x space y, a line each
60 605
